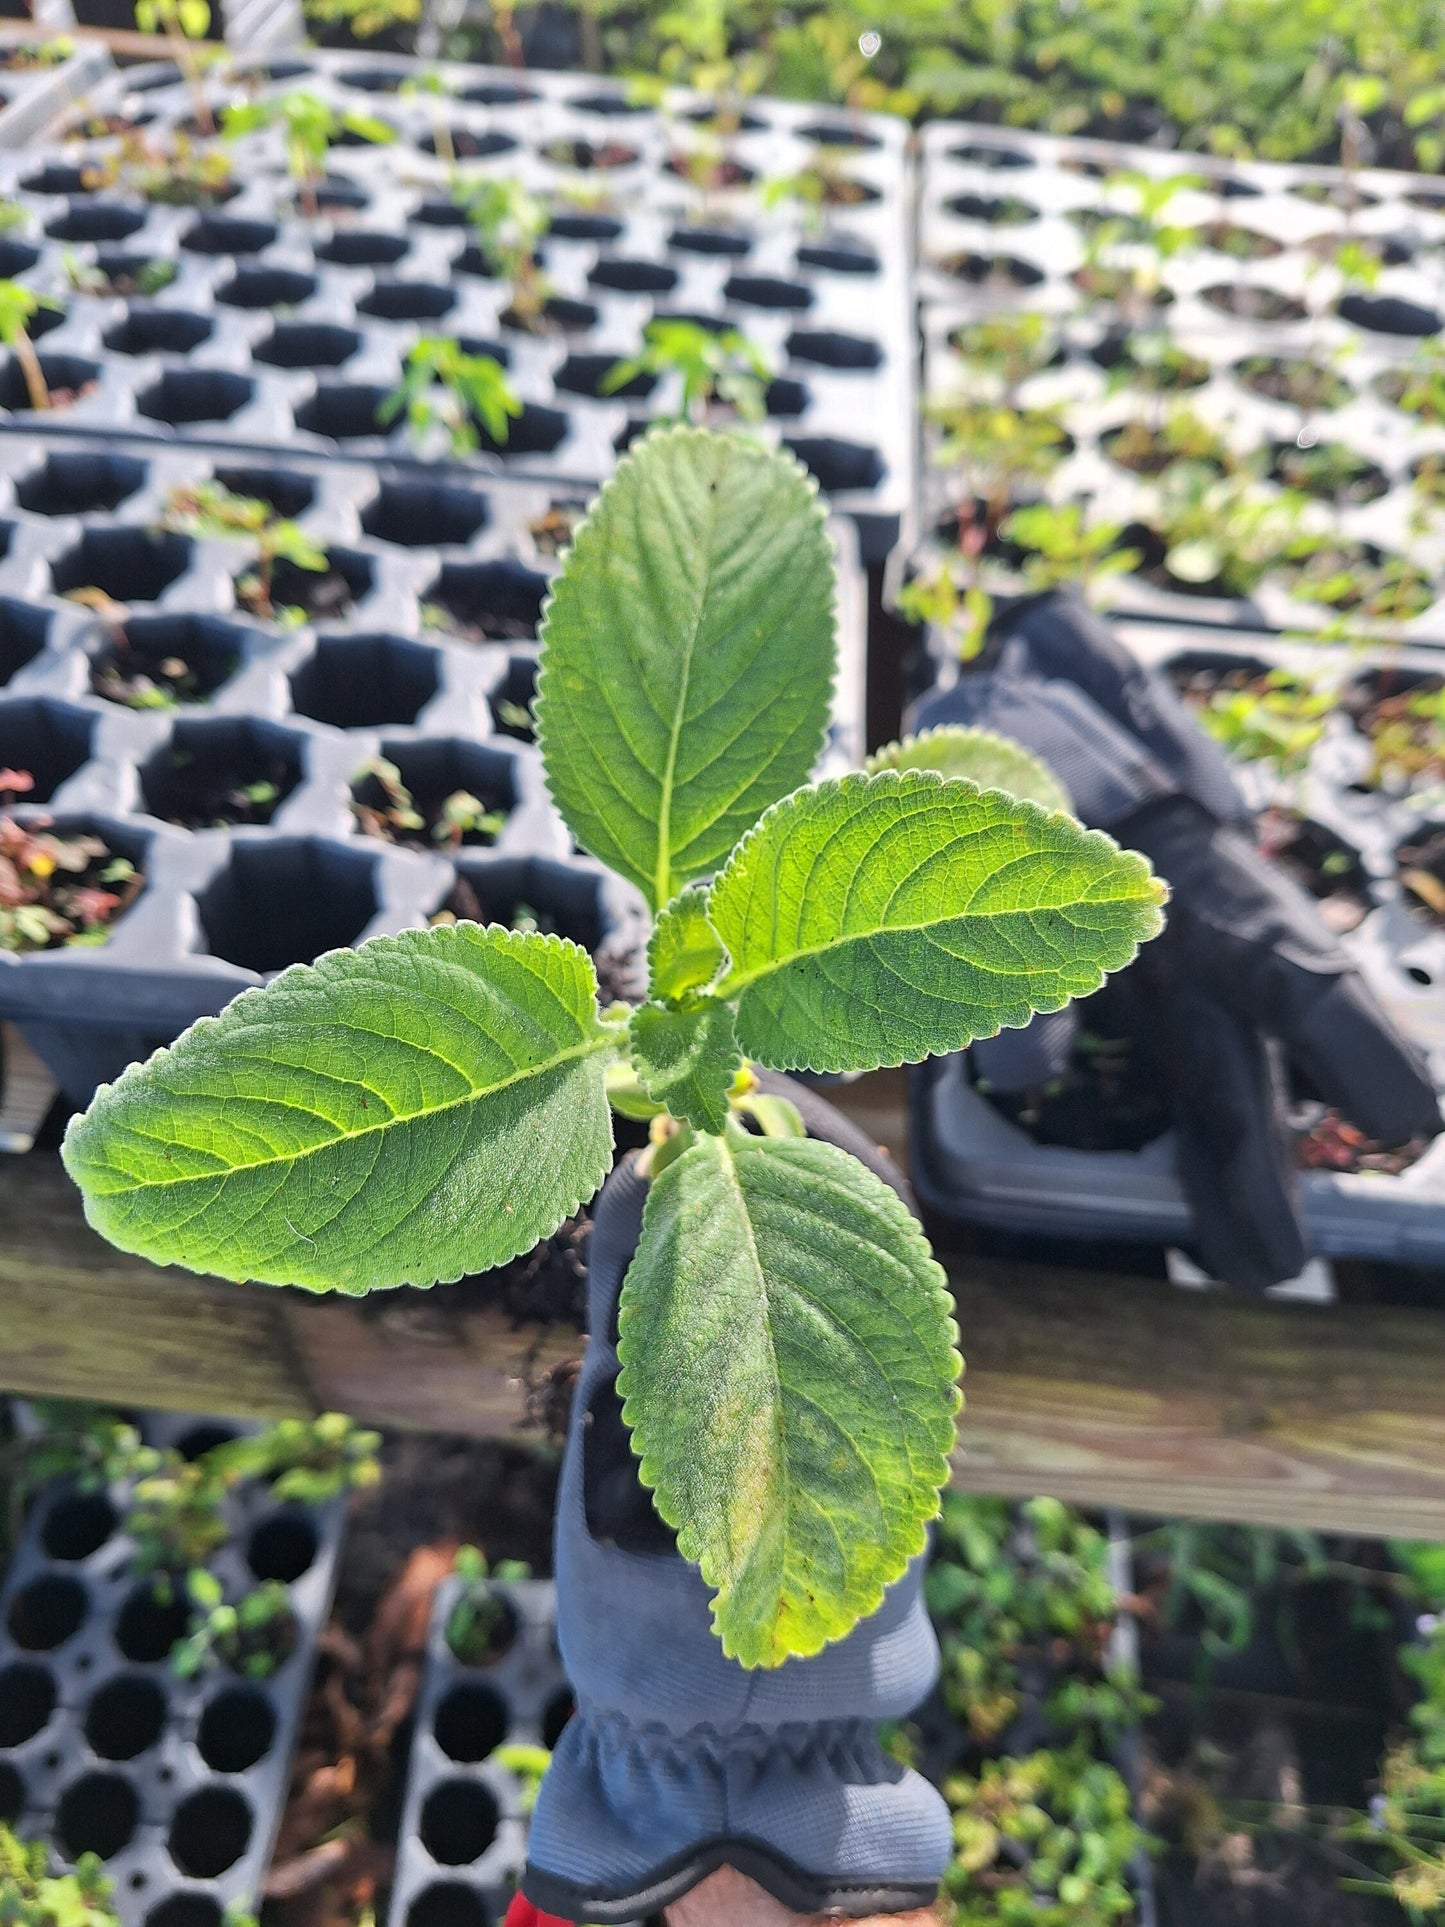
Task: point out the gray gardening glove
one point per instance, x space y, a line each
677 1760
1245 973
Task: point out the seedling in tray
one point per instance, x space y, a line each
253 1637
31 1896
183 22
509 221
210 508
452 396
18 308
725 371
480 1626
185 174
309 125
56 889
434 1103
383 806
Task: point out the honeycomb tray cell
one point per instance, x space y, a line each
280 326
177 1784
1254 320
242 763
1352 832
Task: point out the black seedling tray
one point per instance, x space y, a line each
1000 233
224 908
972 1164
177 1784
391 259
463 1839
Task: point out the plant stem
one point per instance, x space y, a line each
30 368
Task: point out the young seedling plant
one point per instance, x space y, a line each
450 396
509 221
434 1103
18 308
308 125
709 369
183 22
211 509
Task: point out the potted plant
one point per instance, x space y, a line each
434 1103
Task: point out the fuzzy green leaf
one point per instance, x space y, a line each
789 1377
877 920
976 756
427 1105
688 655
687 1059
684 952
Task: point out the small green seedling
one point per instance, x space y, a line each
365 18
183 22
253 1637
450 397
1062 546
31 1896
210 508
434 1103
18 308
509 221
479 1626
309 125
710 369
88 277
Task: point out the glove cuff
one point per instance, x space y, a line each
631 1817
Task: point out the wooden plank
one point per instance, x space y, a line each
1100 1390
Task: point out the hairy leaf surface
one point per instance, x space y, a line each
789 1377
688 655
879 919
687 1059
427 1105
976 756
684 952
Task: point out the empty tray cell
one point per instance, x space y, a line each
98 1813
456 794
767 291
231 769
210 1831
78 1525
992 270
286 901
55 178
492 601
497 93
610 106
560 315
590 156
727 242
229 235
158 662
345 411
585 227
470 1723
66 377
374 80
149 1623
97 221
28 1694
997 158
448 1903
307 344
16 257
12 1799
536 431
186 395
836 133
408 301
469 144
285 493
186 1910
839 259
1390 314
46 739
125 1717
129 565
362 682
634 277
511 701
440 214
24 632
425 514
362 248
529 893
838 466
336 191
588 375
47 1611
267 288
236 1729
785 399
283 1547
159 331
458 1822
830 349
